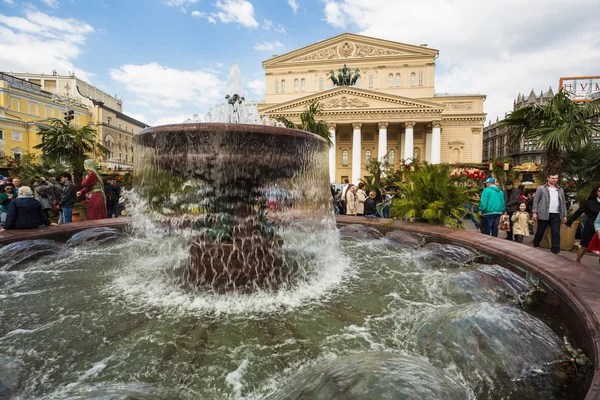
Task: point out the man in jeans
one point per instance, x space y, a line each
549 208
68 198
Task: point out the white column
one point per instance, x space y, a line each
382 149
356 152
409 142
428 147
332 153
436 142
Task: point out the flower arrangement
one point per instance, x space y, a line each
83 203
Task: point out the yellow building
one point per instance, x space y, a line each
92 107
23 105
392 108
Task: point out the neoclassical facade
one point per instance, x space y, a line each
392 109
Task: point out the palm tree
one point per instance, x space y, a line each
309 122
555 126
69 144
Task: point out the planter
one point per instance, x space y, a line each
567 236
79 214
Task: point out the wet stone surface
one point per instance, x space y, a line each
445 255
404 240
94 237
356 231
17 255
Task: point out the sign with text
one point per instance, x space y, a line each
581 88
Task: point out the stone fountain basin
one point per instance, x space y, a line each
229 154
573 290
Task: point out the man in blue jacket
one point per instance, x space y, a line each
491 207
25 212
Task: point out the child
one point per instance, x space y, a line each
521 223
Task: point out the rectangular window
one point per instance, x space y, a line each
17 157
17 136
1 134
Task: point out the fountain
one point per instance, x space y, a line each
233 282
236 186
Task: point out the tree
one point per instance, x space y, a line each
69 144
431 194
555 126
581 170
32 167
309 123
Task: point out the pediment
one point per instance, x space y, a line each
351 98
350 46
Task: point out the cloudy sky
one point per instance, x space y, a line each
169 59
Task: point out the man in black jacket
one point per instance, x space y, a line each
68 197
512 199
371 205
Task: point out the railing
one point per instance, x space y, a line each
22 84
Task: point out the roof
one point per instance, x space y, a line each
120 115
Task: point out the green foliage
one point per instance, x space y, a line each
430 194
374 181
70 145
497 168
32 167
581 170
556 126
309 123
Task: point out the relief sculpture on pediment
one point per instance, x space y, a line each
325 54
370 51
343 102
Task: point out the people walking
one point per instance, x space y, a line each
93 184
591 208
491 206
68 197
520 221
549 208
512 200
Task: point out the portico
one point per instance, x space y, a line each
391 110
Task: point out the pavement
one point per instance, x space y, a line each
589 259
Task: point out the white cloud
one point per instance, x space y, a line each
9 2
51 3
498 49
39 43
268 25
180 3
294 4
139 117
257 86
171 119
240 11
198 14
266 46
177 88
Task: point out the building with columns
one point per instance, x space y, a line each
392 109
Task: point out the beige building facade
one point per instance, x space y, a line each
392 109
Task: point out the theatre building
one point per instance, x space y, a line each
391 109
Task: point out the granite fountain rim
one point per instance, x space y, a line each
230 127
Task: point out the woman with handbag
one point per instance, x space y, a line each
591 208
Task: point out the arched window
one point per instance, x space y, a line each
390 80
420 79
321 83
344 157
108 143
276 86
397 79
295 85
391 157
283 86
412 79
367 156
303 85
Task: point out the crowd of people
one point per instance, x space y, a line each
356 200
25 207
